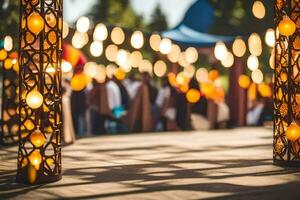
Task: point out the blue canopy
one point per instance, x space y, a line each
192 31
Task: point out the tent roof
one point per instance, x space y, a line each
186 36
192 31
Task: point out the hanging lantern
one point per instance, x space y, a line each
252 62
286 86
220 51
40 91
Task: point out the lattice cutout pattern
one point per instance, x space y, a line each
287 85
39 156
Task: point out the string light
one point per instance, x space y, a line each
252 62
137 39
83 24
220 51
239 47
117 35
96 48
100 32
165 46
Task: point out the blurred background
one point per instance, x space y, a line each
177 65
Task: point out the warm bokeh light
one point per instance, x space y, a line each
228 61
135 59
111 52
239 47
78 82
252 62
255 44
193 95
191 55
213 74
120 74
90 69
257 76
160 68
79 39
270 37
189 71
122 57
34 99
202 75
83 24
145 66
65 29
110 70
100 32
100 73
173 56
3 54
8 43
137 39
155 40
220 51
165 46
182 60
66 66
96 48
117 35
258 9
244 81
8 63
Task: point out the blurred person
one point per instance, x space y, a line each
255 111
139 116
68 128
165 103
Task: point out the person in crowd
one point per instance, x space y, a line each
140 112
68 128
78 105
132 84
199 110
254 114
165 102
114 98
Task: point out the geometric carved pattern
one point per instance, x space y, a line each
39 155
286 85
9 119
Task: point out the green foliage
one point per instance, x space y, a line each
234 17
9 15
158 20
117 12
